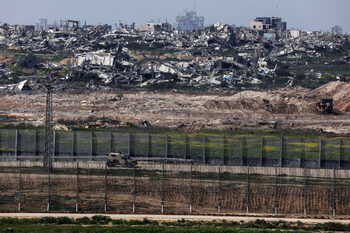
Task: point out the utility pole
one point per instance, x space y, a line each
48 129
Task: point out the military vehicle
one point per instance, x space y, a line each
119 159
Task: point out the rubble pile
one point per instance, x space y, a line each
221 56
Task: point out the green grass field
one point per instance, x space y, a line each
106 224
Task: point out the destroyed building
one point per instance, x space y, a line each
220 56
70 23
266 23
25 28
41 25
155 27
337 29
189 21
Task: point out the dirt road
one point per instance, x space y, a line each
174 217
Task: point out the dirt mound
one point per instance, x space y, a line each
342 105
278 107
6 59
336 90
339 92
281 101
64 61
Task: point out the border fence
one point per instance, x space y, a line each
161 188
311 152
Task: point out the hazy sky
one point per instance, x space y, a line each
301 14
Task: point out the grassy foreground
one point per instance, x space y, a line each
100 223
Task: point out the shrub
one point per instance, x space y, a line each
136 222
101 219
83 221
64 220
45 220
118 222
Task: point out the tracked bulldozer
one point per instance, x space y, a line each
119 159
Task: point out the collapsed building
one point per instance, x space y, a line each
189 21
221 56
266 23
41 25
156 27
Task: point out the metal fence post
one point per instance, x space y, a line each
300 151
129 145
219 187
148 145
19 186
281 151
77 189
162 195
48 189
105 188
204 148
340 152
320 154
54 145
166 146
185 146
262 151
91 145
190 197
134 190
247 191
73 145
223 150
276 203
242 151
333 194
111 142
16 145
35 143
304 192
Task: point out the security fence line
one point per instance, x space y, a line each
221 184
242 151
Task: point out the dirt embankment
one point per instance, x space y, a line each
287 108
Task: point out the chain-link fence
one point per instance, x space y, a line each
155 188
269 151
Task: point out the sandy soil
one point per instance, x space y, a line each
287 108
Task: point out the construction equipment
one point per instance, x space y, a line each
325 106
119 159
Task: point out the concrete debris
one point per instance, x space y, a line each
14 88
220 55
5 72
96 58
30 61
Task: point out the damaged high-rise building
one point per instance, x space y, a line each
189 21
41 25
337 29
266 23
